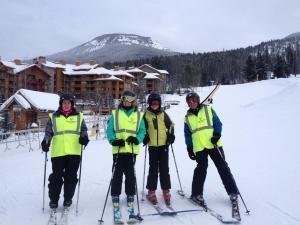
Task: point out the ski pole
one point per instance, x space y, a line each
221 151
144 174
138 216
180 191
80 166
112 175
45 169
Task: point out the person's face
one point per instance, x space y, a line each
154 104
66 105
192 102
127 103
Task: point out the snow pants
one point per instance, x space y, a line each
158 164
124 164
64 172
217 156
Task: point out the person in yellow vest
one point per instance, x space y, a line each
125 132
202 131
67 131
160 134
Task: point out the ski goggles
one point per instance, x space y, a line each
128 98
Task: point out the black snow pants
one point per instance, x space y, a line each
158 163
200 171
124 164
64 171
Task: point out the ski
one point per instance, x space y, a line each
160 211
64 216
177 212
208 99
53 218
215 214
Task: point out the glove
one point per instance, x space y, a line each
215 138
132 140
170 138
84 140
118 142
45 145
146 139
191 154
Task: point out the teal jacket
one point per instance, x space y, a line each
110 132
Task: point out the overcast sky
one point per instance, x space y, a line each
29 28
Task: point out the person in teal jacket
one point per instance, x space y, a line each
125 131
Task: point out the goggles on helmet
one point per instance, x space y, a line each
128 98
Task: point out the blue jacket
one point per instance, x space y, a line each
110 132
187 133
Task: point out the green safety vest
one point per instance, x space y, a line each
201 128
158 135
66 133
125 126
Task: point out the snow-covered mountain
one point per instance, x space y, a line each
279 46
112 48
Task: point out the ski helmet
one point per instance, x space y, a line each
68 97
192 95
154 96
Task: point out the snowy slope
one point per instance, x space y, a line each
260 126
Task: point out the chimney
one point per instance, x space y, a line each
42 59
93 62
77 63
62 62
18 61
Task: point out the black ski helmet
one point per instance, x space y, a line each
154 96
66 97
192 94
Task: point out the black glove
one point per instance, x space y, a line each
84 140
132 140
170 138
118 142
191 154
45 145
146 139
215 138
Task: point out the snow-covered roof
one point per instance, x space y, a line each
159 71
121 73
15 67
53 65
135 70
136 84
98 71
163 71
151 76
29 99
110 78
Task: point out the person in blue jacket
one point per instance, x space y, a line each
202 132
125 131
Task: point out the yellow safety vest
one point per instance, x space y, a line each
66 132
158 135
125 126
201 128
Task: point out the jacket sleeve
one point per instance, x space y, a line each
48 131
83 130
188 137
169 123
141 132
110 132
216 123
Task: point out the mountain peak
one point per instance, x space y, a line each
293 35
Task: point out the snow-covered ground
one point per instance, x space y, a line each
261 135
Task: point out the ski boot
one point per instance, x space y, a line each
198 199
130 204
151 196
117 211
167 196
235 206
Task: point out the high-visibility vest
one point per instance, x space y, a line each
66 133
201 128
125 126
156 128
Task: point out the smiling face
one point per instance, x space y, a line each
192 102
66 105
154 104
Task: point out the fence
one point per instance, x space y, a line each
16 139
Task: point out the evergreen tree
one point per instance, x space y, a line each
250 71
279 68
261 67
